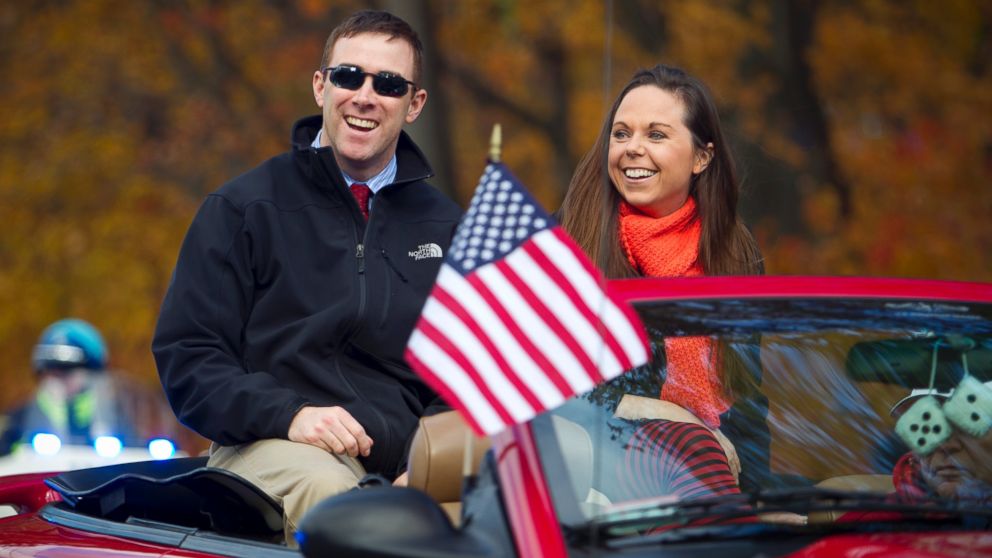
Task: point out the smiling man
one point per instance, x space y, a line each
282 333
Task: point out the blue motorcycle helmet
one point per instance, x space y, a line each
69 343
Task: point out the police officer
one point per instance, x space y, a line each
74 399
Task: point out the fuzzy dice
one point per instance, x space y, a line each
923 426
970 407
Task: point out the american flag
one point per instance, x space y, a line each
518 320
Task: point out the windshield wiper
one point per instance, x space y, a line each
707 516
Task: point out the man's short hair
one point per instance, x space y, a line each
376 21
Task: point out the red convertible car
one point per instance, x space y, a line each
823 373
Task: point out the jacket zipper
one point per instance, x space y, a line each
362 290
360 261
360 242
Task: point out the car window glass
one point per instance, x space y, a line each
814 383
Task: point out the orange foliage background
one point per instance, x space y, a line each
861 129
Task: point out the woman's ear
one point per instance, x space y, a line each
703 157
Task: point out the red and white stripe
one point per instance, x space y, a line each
520 335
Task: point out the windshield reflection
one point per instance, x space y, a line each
813 384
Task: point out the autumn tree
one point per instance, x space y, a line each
860 128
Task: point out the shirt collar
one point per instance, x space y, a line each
385 177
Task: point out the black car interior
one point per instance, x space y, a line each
183 492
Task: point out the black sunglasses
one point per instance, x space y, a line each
384 83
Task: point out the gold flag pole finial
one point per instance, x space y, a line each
495 144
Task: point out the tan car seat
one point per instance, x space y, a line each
436 458
437 454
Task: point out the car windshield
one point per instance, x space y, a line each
816 388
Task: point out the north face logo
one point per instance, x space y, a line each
425 251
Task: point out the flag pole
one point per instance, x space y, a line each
495 151
495 144
467 457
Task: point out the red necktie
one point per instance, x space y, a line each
362 193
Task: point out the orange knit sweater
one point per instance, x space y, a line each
669 247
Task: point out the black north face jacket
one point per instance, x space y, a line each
284 297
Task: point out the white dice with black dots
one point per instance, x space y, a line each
923 426
970 407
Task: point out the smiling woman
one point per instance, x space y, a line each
660 177
657 196
652 157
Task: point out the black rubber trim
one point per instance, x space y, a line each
163 534
54 513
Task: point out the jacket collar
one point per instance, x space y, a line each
411 164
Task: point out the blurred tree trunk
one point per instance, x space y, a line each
432 130
550 120
793 27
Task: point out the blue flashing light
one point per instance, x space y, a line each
108 446
44 443
160 448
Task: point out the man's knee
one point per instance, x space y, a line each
310 490
296 475
316 487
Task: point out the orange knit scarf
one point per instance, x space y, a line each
669 247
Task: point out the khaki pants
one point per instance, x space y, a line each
295 475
